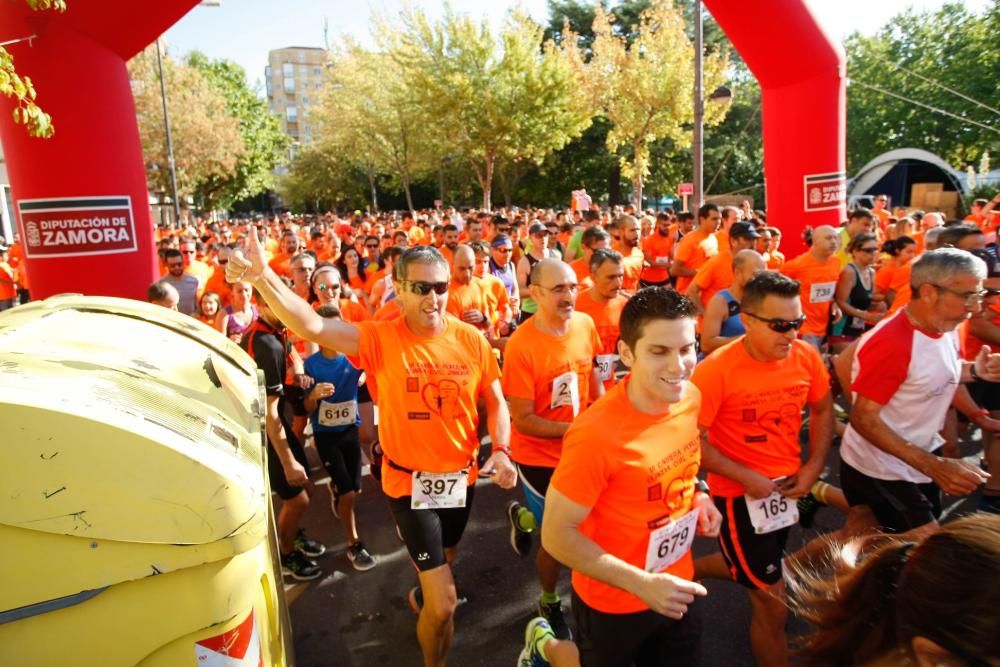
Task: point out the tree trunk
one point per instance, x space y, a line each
615 185
406 189
637 187
487 184
371 182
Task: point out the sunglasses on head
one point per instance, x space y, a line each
780 326
423 288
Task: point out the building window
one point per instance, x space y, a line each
288 69
291 113
317 71
289 84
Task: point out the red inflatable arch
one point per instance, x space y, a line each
80 197
802 75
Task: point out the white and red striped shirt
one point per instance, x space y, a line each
913 373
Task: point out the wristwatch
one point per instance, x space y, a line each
702 486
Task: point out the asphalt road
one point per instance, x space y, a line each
361 619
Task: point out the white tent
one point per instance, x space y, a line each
894 172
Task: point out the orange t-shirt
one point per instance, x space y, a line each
428 422
693 251
900 285
496 296
282 265
636 472
884 275
753 409
631 270
606 318
974 344
714 275
581 267
7 290
217 283
352 311
655 247
551 371
818 285
468 297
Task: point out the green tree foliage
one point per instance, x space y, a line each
265 145
950 46
206 138
21 90
645 88
319 180
490 98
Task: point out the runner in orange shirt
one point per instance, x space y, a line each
467 299
632 256
696 247
658 248
604 302
501 314
8 281
753 392
549 377
217 281
775 258
432 370
625 502
717 273
594 238
817 271
287 248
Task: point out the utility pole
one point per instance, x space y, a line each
697 147
170 143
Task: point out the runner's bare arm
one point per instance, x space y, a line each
561 537
820 436
596 386
498 423
679 269
954 476
294 472
522 412
694 293
291 309
711 326
712 460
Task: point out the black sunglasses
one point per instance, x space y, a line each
780 326
423 288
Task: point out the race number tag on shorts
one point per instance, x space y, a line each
822 292
337 414
663 259
669 543
566 391
858 323
431 490
772 513
606 366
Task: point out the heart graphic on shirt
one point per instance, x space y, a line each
441 398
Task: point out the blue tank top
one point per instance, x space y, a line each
732 325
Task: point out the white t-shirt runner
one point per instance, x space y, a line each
914 374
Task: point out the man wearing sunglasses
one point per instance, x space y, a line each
753 392
432 371
817 271
904 377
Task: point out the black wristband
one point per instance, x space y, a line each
702 485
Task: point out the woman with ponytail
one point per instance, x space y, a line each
896 602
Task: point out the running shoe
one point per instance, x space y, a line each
299 567
553 613
359 557
520 539
308 546
537 634
808 506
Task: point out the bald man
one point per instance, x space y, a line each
817 271
467 295
549 377
722 323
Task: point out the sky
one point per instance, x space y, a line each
245 30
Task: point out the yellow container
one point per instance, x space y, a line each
135 515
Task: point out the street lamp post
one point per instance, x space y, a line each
720 94
170 143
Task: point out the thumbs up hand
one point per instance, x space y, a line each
248 267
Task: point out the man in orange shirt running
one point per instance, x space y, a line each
753 392
717 273
817 271
632 256
625 504
604 302
696 247
657 249
467 299
549 377
432 370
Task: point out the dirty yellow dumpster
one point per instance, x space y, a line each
135 522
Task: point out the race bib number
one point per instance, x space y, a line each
772 513
606 366
822 292
669 543
566 392
337 414
430 490
664 259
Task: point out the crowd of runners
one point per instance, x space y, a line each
634 380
